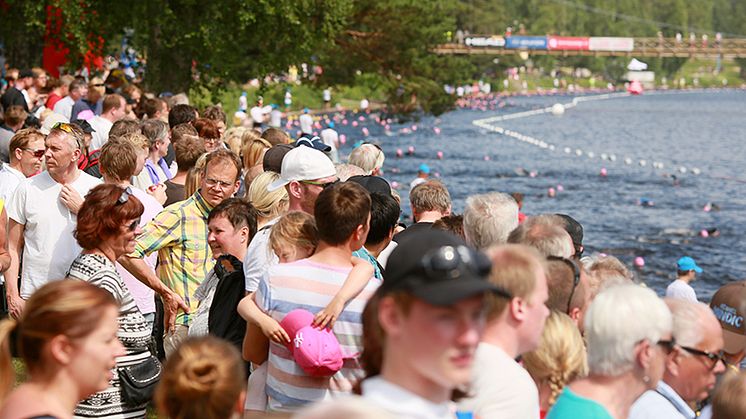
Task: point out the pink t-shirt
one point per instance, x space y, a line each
142 294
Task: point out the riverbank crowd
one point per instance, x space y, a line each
155 259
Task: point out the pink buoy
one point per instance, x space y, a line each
551 192
707 207
436 130
315 133
604 172
344 122
388 127
354 123
399 152
436 174
410 150
639 262
395 185
533 174
414 127
361 118
365 131
560 188
486 158
342 138
440 155
704 233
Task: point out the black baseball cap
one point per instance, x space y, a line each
312 141
437 267
372 184
272 161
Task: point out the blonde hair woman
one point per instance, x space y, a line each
559 359
252 151
203 379
269 205
67 336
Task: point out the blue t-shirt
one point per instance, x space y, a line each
571 406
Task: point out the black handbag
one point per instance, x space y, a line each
138 382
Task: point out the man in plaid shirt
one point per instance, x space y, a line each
179 235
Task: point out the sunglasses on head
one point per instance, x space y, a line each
451 261
575 280
68 128
125 196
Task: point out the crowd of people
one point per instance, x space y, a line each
152 256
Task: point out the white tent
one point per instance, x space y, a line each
636 65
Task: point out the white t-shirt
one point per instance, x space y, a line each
681 290
259 257
10 178
306 123
49 247
64 107
275 118
258 113
330 137
403 403
501 387
101 136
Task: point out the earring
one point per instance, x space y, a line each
645 379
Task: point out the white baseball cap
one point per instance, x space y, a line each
303 163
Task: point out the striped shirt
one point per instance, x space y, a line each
311 286
134 333
179 234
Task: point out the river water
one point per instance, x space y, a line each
700 130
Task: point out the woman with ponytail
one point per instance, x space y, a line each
559 359
67 337
203 379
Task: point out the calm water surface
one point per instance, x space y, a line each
703 130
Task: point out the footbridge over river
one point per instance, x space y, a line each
727 48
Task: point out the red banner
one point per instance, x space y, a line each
566 43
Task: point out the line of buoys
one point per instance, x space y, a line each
488 125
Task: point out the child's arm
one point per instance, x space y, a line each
358 278
248 309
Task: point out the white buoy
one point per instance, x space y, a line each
579 152
591 154
551 147
627 160
696 171
568 150
604 156
682 169
643 163
558 109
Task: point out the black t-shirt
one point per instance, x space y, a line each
224 320
412 229
174 193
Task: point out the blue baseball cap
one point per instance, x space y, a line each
424 169
687 264
313 142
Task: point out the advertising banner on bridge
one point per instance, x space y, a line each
527 42
485 41
572 43
611 44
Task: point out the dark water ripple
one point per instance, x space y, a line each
701 129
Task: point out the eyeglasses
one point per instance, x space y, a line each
210 140
669 345
133 225
323 185
125 196
451 261
712 358
214 182
35 153
68 128
576 276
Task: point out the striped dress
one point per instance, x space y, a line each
134 333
